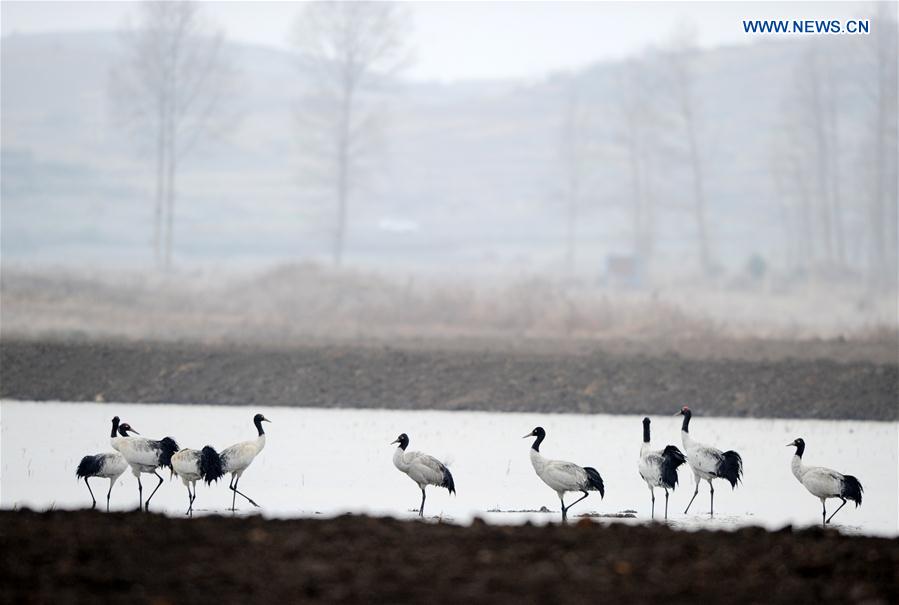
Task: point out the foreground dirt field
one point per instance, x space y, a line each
94 557
829 379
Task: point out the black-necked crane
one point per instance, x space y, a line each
425 470
562 476
144 456
707 462
194 465
825 483
110 466
238 457
659 467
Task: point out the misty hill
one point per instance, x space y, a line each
468 177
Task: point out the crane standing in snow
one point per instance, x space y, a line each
659 467
825 483
423 469
708 462
108 466
564 476
238 457
193 465
144 456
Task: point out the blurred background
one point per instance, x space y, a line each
580 170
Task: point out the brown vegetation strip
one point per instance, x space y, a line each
455 378
67 557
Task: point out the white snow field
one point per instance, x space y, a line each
333 461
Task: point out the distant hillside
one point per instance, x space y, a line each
467 180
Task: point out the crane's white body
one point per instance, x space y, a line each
112 465
650 466
141 454
186 464
702 459
423 469
238 457
559 475
821 482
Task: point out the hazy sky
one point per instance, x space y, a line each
457 40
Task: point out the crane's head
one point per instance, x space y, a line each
798 442
403 440
646 422
260 418
684 411
125 428
537 432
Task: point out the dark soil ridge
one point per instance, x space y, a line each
63 557
542 380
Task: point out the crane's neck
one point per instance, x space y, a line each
399 458
115 427
536 446
797 467
685 427
537 460
645 432
258 423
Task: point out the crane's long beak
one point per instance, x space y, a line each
526 436
394 441
677 413
266 420
790 444
133 431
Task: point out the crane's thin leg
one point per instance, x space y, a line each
140 495
823 512
233 493
838 510
147 506
575 502
421 509
666 505
693 498
652 493
109 493
94 505
250 500
564 509
190 500
712 496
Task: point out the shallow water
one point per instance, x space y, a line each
320 461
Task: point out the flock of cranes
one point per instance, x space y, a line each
658 468
147 456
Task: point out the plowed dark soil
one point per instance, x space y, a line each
67 557
728 378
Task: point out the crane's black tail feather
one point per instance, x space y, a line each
90 466
594 481
671 459
731 468
448 482
852 489
167 448
211 467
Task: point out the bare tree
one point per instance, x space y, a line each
681 57
350 49
574 152
638 119
880 83
169 86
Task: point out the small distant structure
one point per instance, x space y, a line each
624 270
